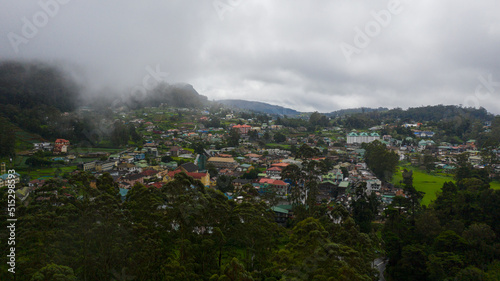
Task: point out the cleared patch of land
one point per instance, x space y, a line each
430 184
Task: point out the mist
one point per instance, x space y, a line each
310 56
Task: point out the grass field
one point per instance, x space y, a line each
430 184
47 172
96 149
276 145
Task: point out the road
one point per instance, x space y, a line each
380 263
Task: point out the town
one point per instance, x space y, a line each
246 150
292 171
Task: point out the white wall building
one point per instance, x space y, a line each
362 137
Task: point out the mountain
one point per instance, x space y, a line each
343 112
260 107
176 95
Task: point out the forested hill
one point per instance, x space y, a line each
343 112
260 107
33 96
435 113
175 95
27 85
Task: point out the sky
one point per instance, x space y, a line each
315 55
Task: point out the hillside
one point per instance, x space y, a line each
260 107
343 112
175 95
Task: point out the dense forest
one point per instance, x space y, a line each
182 231
83 229
456 238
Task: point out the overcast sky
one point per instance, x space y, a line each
307 55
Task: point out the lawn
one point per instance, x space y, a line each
95 149
430 184
276 145
495 185
46 172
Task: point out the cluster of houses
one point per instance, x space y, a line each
60 146
337 186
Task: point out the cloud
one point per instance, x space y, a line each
282 52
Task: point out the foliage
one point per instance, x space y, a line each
455 238
380 160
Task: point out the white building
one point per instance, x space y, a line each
362 137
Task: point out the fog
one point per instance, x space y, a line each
306 55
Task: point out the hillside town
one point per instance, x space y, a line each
252 151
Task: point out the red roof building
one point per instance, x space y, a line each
244 129
61 146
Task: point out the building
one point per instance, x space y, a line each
223 162
242 129
61 146
87 166
279 186
5 178
129 180
353 138
104 166
46 146
203 177
274 172
129 167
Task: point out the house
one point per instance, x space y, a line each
326 191
139 156
128 167
127 159
129 180
36 183
149 174
274 172
61 146
174 151
281 165
203 177
279 186
23 193
45 146
238 183
281 215
189 167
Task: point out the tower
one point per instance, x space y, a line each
3 169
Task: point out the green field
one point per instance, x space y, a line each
276 145
430 184
46 172
95 149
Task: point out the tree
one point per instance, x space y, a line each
7 140
380 160
312 255
54 272
364 209
234 271
279 137
234 138
414 196
225 183
306 152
